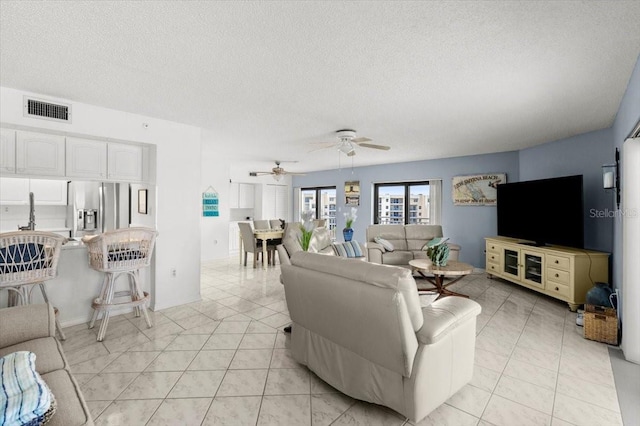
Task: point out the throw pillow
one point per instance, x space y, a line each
384 243
434 242
347 249
25 397
320 239
291 240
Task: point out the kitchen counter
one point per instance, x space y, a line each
73 244
76 285
40 229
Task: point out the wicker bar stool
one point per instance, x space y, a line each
27 259
122 251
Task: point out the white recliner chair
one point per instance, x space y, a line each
360 327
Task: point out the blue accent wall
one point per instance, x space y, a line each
464 225
583 154
579 155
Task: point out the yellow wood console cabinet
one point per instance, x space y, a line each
561 272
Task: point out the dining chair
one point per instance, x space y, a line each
250 245
276 223
261 224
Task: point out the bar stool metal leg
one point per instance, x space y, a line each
46 300
133 289
109 299
103 294
139 295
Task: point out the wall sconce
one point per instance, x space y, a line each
611 177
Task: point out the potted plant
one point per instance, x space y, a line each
306 229
349 217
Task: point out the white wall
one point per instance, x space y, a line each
178 180
218 170
214 231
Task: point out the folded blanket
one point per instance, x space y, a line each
24 396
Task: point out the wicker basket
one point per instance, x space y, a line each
28 257
601 324
121 250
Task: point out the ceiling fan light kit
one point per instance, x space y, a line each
346 147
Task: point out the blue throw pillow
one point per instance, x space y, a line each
348 249
21 258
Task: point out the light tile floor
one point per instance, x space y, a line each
225 361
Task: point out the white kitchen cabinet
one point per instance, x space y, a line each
39 154
7 151
275 202
86 158
49 192
234 239
14 191
241 195
124 162
246 196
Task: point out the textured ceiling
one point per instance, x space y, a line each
265 79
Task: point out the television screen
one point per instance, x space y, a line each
547 211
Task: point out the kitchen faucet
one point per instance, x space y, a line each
32 216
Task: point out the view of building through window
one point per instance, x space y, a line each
393 207
322 202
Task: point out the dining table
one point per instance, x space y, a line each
263 235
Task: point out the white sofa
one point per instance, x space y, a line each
407 241
320 242
359 326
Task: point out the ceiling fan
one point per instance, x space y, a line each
277 172
347 143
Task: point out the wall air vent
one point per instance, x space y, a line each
36 108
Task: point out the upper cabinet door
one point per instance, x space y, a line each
246 195
14 191
124 162
234 197
39 154
86 158
49 192
7 151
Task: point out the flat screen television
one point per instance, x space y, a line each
545 212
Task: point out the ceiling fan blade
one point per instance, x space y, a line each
323 147
321 143
361 139
260 173
370 145
351 153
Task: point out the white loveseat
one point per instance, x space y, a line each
359 326
407 241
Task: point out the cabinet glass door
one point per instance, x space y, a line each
511 262
533 269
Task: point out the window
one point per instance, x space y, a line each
408 202
322 202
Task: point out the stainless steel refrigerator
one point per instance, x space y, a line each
96 207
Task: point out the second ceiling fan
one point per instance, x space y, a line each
348 141
277 172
